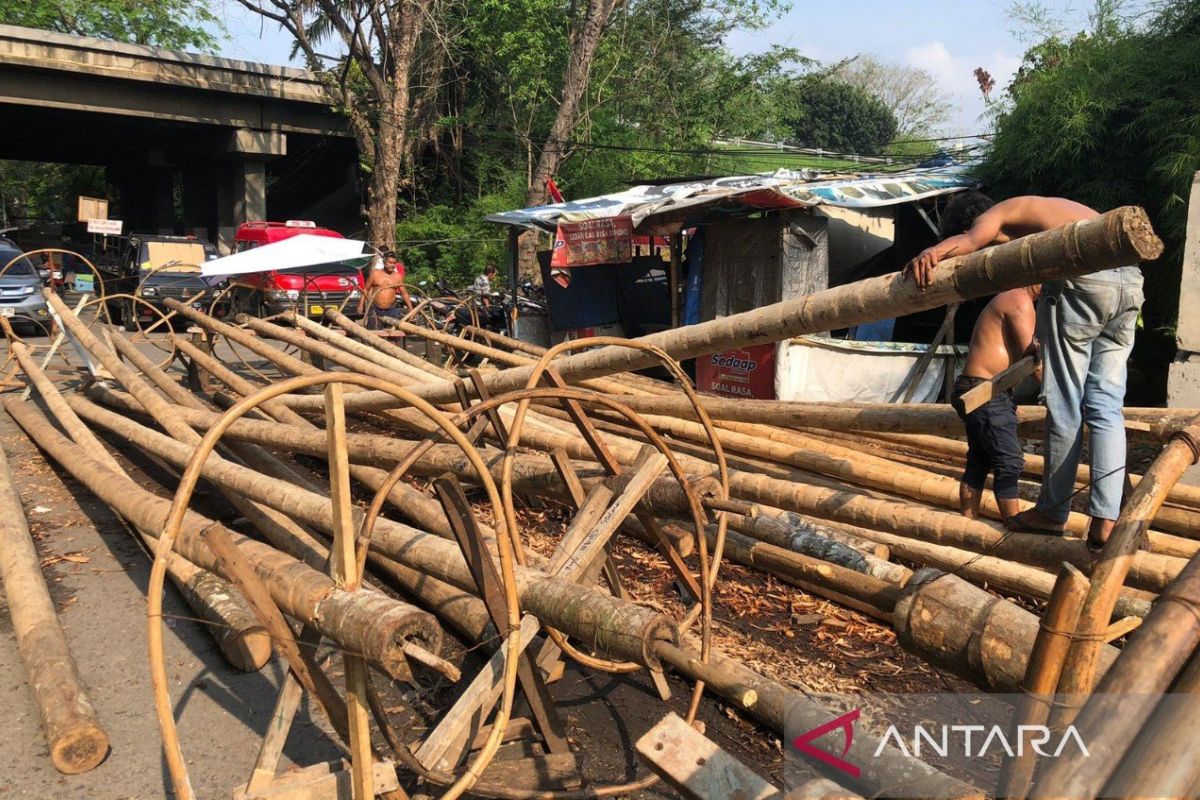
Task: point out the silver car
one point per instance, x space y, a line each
21 291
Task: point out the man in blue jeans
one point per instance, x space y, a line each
1085 327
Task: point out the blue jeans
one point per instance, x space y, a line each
1086 327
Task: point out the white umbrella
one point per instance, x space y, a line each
302 250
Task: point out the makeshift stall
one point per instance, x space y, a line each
737 243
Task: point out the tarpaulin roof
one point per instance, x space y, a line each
656 209
304 250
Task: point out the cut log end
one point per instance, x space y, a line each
1135 225
80 749
248 650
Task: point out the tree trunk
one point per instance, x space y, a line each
584 43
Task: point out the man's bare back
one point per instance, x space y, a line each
1003 333
1007 220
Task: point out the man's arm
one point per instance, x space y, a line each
404 295
368 284
984 232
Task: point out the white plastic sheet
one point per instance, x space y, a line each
303 250
812 368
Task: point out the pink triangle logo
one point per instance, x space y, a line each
845 722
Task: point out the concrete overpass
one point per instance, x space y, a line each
192 142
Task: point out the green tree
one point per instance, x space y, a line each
1110 117
832 115
174 24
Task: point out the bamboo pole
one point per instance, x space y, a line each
887 418
1165 758
998 573
1041 676
630 630
984 638
363 621
240 638
1118 237
1117 559
77 741
1128 693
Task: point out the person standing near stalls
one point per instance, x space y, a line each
482 288
381 289
1085 327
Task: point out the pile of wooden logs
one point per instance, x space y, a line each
856 504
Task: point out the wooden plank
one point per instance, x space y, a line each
269 752
518 728
553 772
483 692
344 566
321 782
696 767
586 518
487 578
591 547
1003 381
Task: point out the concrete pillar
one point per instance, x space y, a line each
242 186
1183 379
200 200
241 197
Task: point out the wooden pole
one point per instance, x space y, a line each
1128 693
1165 758
363 622
344 566
1118 237
1117 559
1041 676
984 638
77 741
673 277
241 639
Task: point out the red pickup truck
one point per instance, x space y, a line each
310 290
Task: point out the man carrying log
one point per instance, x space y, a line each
1003 336
1085 327
380 291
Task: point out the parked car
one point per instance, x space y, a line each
21 290
153 268
310 290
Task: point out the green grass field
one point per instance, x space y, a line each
745 159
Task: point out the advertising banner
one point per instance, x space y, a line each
594 241
741 372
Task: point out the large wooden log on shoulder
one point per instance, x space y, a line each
1119 237
77 741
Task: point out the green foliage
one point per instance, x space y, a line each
453 243
827 113
32 192
1111 117
176 24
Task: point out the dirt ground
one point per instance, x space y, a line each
98 574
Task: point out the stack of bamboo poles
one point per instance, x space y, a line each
822 497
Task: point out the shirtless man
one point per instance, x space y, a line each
1003 335
381 288
1085 327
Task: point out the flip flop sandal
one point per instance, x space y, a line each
1014 525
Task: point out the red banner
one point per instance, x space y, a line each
743 372
593 241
